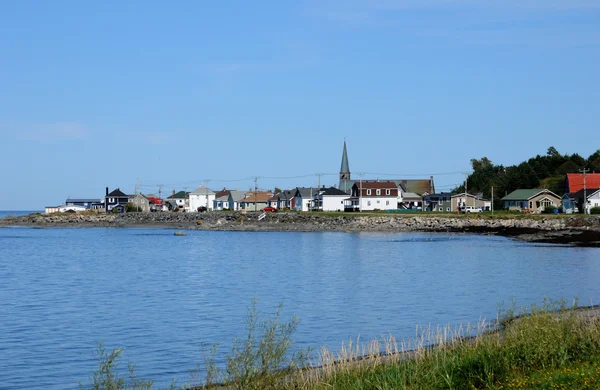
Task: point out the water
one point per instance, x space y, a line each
63 291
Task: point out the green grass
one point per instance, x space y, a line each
548 347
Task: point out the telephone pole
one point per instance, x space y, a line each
361 174
255 189
137 199
319 201
584 171
206 191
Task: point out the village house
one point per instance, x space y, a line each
372 195
303 197
408 200
177 200
459 201
200 199
87 203
140 201
255 201
533 200
438 202
114 199
329 199
573 202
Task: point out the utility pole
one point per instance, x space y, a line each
361 174
584 171
492 201
255 188
206 190
137 199
160 186
319 201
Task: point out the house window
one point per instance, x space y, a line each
368 203
111 200
378 192
378 202
441 209
387 192
368 192
447 208
387 202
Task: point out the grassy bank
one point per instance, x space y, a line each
550 347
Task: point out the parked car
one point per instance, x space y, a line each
470 209
269 209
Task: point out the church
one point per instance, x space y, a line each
421 187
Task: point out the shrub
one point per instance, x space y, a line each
595 210
549 210
107 376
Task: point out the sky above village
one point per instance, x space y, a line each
110 93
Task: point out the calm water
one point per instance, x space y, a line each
160 296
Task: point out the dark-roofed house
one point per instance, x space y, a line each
573 202
115 198
303 197
329 199
438 202
177 200
372 195
534 200
88 203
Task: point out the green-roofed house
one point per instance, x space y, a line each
534 200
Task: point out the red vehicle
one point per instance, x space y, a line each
271 209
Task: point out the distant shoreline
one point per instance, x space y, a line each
572 230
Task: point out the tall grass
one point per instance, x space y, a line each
550 340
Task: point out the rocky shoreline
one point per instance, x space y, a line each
574 230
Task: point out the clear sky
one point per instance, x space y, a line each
97 94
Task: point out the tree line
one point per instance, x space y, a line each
546 171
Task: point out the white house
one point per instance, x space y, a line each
373 195
329 199
593 199
201 197
234 199
303 198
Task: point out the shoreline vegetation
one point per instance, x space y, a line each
579 230
548 346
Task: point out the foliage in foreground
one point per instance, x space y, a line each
552 346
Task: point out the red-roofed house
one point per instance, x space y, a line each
574 181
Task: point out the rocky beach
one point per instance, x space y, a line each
573 230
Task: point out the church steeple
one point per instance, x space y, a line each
345 168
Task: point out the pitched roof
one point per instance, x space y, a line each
418 186
305 192
345 167
223 192
579 194
202 191
376 184
575 181
525 194
332 191
471 195
179 195
82 200
258 198
237 196
116 194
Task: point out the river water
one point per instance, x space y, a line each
62 291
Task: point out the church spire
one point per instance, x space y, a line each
345 168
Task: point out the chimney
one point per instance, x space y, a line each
173 192
106 191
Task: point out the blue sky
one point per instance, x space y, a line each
102 94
